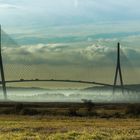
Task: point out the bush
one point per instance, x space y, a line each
72 111
89 104
6 111
27 111
18 108
133 109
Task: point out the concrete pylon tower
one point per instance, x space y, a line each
118 71
2 82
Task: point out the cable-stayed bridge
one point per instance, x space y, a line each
117 74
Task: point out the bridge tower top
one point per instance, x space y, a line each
118 71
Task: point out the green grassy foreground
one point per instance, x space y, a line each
13 127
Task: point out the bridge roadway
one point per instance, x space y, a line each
53 80
65 81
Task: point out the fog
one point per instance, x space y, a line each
46 95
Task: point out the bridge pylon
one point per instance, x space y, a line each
2 82
118 71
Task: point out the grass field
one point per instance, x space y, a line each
69 121
67 128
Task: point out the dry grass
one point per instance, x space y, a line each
67 128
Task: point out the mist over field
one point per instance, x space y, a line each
98 95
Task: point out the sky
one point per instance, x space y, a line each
70 38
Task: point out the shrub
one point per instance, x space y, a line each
72 111
27 111
133 109
18 107
89 104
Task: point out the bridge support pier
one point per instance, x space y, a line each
3 83
118 71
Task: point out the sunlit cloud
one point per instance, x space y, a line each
62 55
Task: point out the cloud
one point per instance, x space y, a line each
62 12
76 3
63 54
63 46
37 54
8 6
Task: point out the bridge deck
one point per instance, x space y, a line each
53 80
66 81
